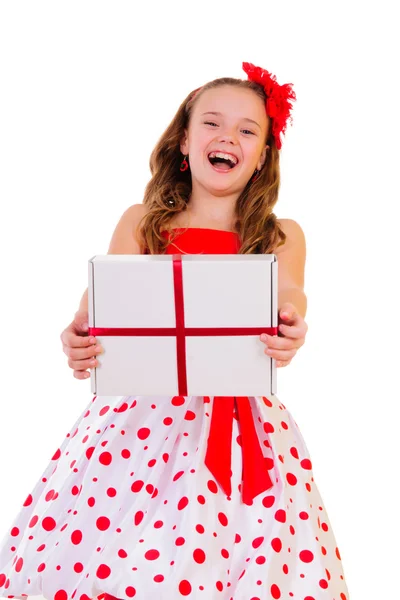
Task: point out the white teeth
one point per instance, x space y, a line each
230 157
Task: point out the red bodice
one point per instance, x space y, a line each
200 240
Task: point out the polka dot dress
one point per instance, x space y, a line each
128 508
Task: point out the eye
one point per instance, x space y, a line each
248 131
209 123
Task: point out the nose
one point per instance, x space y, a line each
228 136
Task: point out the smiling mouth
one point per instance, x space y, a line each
222 162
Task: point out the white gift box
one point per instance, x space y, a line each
183 324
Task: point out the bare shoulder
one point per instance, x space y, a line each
123 240
295 237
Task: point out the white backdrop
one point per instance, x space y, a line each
87 88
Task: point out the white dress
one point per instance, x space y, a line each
132 505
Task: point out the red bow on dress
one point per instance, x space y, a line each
255 474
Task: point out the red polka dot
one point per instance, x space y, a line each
125 453
199 555
48 524
276 544
33 521
139 517
323 583
185 588
75 490
111 492
257 542
168 421
212 486
291 478
223 519
91 501
201 499
19 564
275 591
57 455
294 452
137 485
280 516
306 556
159 578
78 567
76 537
61 595
178 400
130 591
105 459
306 464
183 502
104 410
123 407
152 554
14 531
303 515
178 475
219 585
179 541
268 428
103 572
190 415
49 495
103 523
2 579
89 452
199 528
260 560
41 567
268 501
143 433
28 501
122 553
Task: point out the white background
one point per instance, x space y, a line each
87 88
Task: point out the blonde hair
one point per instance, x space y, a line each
169 189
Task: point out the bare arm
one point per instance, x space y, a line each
291 267
123 240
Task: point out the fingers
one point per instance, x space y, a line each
282 343
81 374
282 355
291 331
81 351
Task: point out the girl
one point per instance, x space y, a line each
132 504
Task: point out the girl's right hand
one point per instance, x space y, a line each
79 347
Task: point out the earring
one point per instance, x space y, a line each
255 175
184 164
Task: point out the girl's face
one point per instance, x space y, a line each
232 121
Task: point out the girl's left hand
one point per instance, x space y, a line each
292 332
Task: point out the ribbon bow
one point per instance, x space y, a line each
255 474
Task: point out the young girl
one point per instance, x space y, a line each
137 502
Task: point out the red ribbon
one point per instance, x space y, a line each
255 476
218 457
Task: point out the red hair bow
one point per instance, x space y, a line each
278 103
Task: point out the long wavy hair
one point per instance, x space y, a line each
168 191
